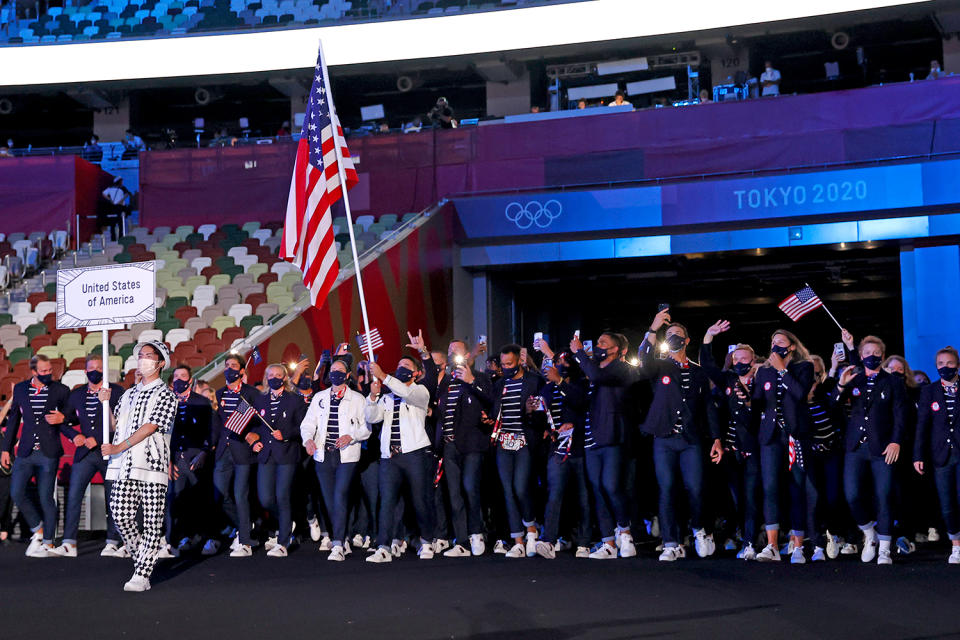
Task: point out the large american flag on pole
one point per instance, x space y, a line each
800 304
308 240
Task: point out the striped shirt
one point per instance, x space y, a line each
824 432
780 387
91 405
274 407
950 402
686 379
868 392
38 403
511 413
228 402
556 407
588 441
730 436
333 422
395 425
450 408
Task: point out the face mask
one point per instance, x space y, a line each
780 351
147 367
337 378
403 374
741 368
45 379
275 383
947 373
872 362
676 342
899 374
95 377
562 370
304 383
232 375
179 386
599 354
510 372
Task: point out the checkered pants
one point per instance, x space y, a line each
125 498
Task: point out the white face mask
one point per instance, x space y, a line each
147 367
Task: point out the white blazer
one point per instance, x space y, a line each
413 415
350 422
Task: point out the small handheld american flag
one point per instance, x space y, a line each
376 342
801 303
241 417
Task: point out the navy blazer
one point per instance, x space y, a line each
225 440
76 415
470 434
669 400
194 431
573 411
797 381
531 386
746 422
935 435
47 434
290 413
608 413
883 419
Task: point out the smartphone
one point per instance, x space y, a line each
840 351
481 339
523 355
731 348
588 346
302 357
576 334
537 337
662 306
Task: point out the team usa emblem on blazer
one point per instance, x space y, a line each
935 406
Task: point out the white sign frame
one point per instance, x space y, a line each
144 272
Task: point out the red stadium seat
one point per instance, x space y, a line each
230 334
267 278
78 363
185 313
59 367
6 386
212 270
195 362
34 298
43 340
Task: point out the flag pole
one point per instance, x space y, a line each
335 124
827 310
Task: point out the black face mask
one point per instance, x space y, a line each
676 342
304 383
275 383
179 386
741 368
599 354
947 373
45 379
337 378
872 362
232 375
899 374
780 351
562 369
95 377
510 372
403 374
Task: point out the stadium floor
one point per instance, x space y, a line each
221 598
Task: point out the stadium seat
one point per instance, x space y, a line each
73 378
249 322
222 322
175 336
151 335
239 311
19 354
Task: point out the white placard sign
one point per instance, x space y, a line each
106 296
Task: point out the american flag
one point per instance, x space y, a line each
800 304
241 417
315 186
255 354
376 341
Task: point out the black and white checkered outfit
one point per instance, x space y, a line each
140 473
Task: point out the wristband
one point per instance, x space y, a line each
129 446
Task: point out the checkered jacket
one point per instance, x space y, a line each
148 460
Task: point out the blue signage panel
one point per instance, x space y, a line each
559 212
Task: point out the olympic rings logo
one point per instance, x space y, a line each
533 213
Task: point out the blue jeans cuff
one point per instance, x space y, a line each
529 524
884 538
607 539
954 536
794 532
771 527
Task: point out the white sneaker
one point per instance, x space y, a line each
477 546
747 553
517 551
531 544
457 551
499 547
43 551
137 584
122 553
787 549
426 551
379 556
326 544
769 553
357 540
818 555
797 556
849 549
655 527
347 550
869 547
366 543
627 548
932 535
235 543
954 556
210 547
36 540
66 551
604 552
397 549
109 550
833 547
315 532
242 551
883 557
441 545
270 543
336 554
582 552
704 544
546 550
166 552
278 551
671 554
562 545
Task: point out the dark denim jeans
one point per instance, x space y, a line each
335 478
568 475
81 473
672 455
231 488
773 463
274 487
415 471
463 472
44 469
514 470
743 479
604 469
947 478
859 468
